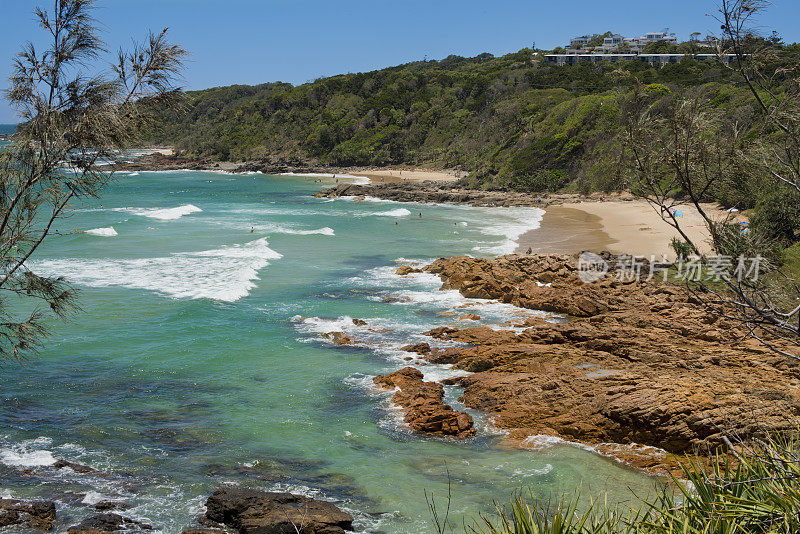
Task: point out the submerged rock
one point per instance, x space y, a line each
78 468
423 402
104 506
338 338
259 512
38 515
107 523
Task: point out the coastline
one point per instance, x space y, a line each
621 227
165 159
625 377
565 230
572 223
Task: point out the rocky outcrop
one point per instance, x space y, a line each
423 404
445 192
404 270
251 511
37 515
637 362
338 338
108 523
419 348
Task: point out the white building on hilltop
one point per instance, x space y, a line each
617 43
616 48
578 43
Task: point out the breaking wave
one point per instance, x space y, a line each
102 232
226 274
162 214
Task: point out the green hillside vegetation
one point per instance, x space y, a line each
512 122
457 112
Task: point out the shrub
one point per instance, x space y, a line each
754 488
777 215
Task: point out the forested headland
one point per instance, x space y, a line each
510 122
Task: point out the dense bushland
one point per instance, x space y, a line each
512 122
507 117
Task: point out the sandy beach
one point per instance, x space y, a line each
621 227
404 175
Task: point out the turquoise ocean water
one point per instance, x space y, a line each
198 359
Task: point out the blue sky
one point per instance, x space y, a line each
255 41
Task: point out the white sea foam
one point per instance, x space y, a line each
94 497
26 458
225 274
387 275
514 222
29 453
163 214
284 229
399 212
543 442
349 178
369 198
320 231
102 232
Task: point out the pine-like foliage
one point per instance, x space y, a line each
73 119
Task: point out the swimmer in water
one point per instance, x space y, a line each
252 229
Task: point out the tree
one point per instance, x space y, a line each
73 119
683 149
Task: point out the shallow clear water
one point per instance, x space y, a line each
198 359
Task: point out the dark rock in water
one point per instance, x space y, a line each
38 515
107 523
206 531
211 525
260 512
111 505
359 322
78 468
